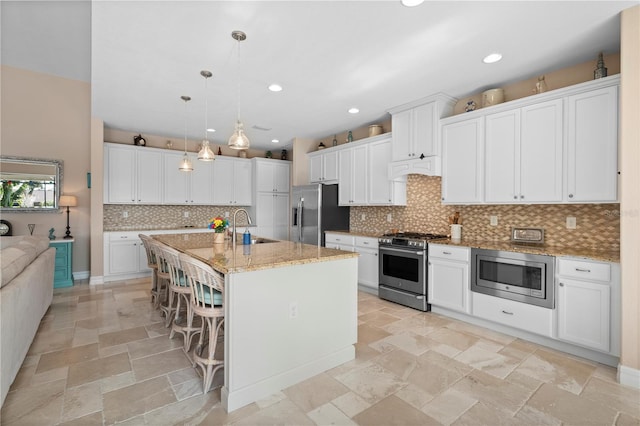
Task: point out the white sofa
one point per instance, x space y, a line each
26 291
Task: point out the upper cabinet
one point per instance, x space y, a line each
191 188
271 175
132 175
555 147
416 133
323 166
352 184
234 181
592 146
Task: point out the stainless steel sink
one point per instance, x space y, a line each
262 241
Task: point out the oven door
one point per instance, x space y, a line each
403 269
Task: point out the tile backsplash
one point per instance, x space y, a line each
141 217
598 225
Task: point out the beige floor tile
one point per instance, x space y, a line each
481 332
482 414
81 401
372 383
378 318
414 344
522 380
122 336
399 362
490 362
368 334
89 371
493 391
329 414
270 400
49 376
66 357
626 420
528 415
190 411
284 412
83 336
93 419
421 324
52 340
98 322
350 404
414 396
184 375
96 296
551 367
435 373
400 311
618 397
448 406
113 350
218 416
188 389
157 329
23 378
570 408
34 405
139 398
146 347
314 392
118 381
393 411
159 364
460 341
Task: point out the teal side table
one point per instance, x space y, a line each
62 276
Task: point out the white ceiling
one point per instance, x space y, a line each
328 55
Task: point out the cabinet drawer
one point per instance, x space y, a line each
513 314
449 252
341 239
61 252
366 242
593 271
123 236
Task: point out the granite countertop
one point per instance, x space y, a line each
356 234
591 254
227 259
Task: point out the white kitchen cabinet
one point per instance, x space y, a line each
232 178
339 241
523 154
352 182
133 175
272 214
381 189
124 255
415 127
191 188
368 263
462 160
271 175
448 272
524 316
323 166
588 304
592 146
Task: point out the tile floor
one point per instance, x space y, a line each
103 356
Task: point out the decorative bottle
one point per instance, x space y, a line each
335 141
600 70
350 137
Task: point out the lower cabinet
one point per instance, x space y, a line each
367 248
524 316
272 214
124 255
586 295
62 274
448 283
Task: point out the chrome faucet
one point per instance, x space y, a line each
233 235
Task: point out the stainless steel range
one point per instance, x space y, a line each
403 268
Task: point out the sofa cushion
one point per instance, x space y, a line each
17 253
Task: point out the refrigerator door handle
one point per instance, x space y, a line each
300 221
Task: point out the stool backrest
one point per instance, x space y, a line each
151 257
204 282
157 250
170 257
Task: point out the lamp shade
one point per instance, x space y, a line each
68 201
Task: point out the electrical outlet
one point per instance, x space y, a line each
571 222
185 214
125 214
389 218
493 220
293 310
363 217
226 214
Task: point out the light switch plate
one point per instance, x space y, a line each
571 222
493 220
389 217
125 214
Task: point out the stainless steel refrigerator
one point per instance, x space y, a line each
315 210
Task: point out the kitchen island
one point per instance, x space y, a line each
290 311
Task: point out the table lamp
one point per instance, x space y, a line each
68 201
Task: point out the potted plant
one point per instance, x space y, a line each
219 226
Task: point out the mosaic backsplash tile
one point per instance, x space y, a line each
142 217
598 225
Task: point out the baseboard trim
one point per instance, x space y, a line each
80 275
628 376
96 279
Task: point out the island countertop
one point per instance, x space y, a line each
227 259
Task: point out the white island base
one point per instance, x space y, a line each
287 324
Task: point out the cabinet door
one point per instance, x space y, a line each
592 151
380 187
345 185
367 267
124 257
281 179
176 182
449 284
359 175
315 169
120 170
330 168
281 216
541 152
242 177
423 124
265 213
223 189
462 161
401 135
202 187
584 313
265 176
149 177
502 152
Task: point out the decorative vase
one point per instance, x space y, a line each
218 237
456 232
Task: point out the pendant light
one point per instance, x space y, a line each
205 154
185 163
238 139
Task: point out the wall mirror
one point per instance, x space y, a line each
30 184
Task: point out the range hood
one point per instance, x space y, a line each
429 166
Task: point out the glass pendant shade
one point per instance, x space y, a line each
185 164
238 139
205 153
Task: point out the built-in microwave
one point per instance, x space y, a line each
517 276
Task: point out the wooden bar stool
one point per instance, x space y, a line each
153 264
207 301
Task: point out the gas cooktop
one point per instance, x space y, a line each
411 239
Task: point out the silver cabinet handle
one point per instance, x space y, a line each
561 284
515 197
570 195
583 270
446 252
507 312
522 196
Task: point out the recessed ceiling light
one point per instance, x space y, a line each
275 87
275 140
490 59
353 110
211 130
411 3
